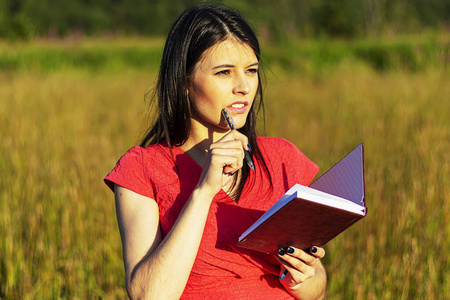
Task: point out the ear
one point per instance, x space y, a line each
188 85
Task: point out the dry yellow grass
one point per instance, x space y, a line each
62 132
400 250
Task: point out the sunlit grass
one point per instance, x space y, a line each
63 131
400 250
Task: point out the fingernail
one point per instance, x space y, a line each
313 250
290 250
249 148
281 252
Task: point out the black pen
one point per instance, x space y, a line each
230 122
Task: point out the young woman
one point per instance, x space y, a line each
186 194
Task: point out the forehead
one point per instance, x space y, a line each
229 51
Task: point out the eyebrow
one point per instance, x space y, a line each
232 66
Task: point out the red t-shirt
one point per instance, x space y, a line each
221 269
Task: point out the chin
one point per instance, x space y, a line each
240 121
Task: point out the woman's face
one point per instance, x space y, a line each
225 77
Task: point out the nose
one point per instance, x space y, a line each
241 84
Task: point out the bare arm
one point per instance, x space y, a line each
150 261
159 268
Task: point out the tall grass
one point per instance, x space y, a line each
400 250
60 134
62 131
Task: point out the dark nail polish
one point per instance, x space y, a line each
290 250
313 250
249 148
281 252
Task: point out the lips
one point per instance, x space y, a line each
238 107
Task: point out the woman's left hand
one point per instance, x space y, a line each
298 265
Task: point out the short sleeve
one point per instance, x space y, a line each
129 173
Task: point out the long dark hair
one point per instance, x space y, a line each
194 32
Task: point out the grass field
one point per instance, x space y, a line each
63 129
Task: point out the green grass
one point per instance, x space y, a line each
308 57
64 128
98 55
400 250
411 54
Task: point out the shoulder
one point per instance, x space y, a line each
137 154
273 145
136 169
266 140
154 152
132 157
283 155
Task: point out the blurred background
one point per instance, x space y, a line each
74 82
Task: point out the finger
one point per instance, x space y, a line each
231 168
318 252
296 275
296 263
231 150
236 135
300 255
284 267
242 138
227 144
229 162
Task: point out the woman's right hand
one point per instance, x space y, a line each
225 157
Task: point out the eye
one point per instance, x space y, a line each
223 72
252 71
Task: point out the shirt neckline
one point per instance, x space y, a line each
190 162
